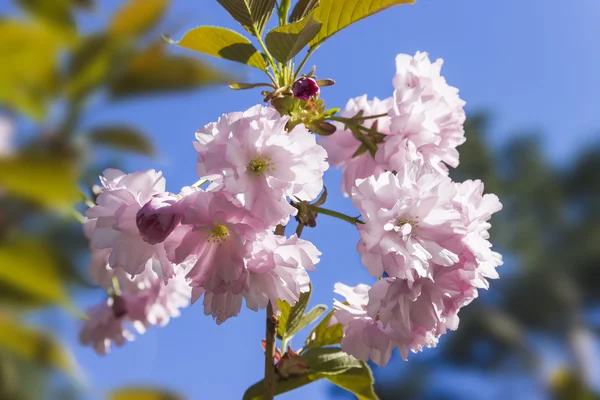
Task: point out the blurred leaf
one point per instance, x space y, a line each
89 65
30 266
325 335
29 65
34 345
121 138
46 179
153 71
358 381
568 385
338 14
302 9
141 393
85 4
286 41
252 14
137 17
56 13
14 298
244 86
223 43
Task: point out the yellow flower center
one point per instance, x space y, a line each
218 234
408 226
260 164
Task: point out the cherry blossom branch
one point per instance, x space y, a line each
370 117
356 128
338 215
270 381
304 60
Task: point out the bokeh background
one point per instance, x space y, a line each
84 86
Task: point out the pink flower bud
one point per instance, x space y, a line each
157 218
305 88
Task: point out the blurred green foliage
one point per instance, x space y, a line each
50 71
548 233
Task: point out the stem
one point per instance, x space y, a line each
357 130
371 117
338 215
264 48
269 381
280 230
284 343
304 60
77 215
283 10
299 229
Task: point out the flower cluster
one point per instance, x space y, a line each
156 251
424 236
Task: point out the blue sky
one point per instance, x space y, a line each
534 64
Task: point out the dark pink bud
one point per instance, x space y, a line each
157 218
305 88
119 307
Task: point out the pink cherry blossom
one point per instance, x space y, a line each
418 313
252 156
427 112
103 328
276 268
364 336
142 301
342 145
476 210
410 222
215 237
111 224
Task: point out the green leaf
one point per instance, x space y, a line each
325 335
47 179
28 72
223 43
329 360
34 346
143 393
137 17
255 391
302 9
307 319
244 86
153 71
89 65
121 137
284 313
290 319
323 363
252 14
358 381
56 13
287 41
338 14
26 262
